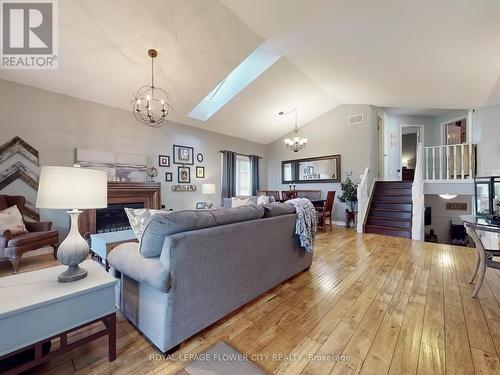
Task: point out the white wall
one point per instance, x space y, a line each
329 134
440 216
393 135
487 133
432 135
57 124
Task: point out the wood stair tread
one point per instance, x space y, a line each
391 202
389 218
390 210
388 228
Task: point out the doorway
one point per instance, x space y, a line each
455 131
410 136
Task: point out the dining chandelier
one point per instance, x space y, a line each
295 143
151 104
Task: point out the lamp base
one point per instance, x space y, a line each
73 273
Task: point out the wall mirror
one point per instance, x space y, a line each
317 169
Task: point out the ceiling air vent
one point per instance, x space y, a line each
355 119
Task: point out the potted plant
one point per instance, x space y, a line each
349 196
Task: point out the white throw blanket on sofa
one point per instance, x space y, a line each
305 226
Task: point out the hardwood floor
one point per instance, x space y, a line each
370 304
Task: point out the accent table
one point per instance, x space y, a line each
101 244
36 308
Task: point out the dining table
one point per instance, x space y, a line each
475 226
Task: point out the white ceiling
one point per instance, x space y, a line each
391 53
399 111
395 53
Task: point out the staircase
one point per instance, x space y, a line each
390 209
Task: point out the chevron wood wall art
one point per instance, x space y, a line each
20 170
17 146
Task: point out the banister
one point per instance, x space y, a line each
455 162
364 193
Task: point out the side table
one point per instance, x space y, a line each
35 309
101 244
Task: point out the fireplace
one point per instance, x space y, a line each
120 195
113 218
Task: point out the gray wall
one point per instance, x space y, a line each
330 134
57 124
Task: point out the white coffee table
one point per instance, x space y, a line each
36 308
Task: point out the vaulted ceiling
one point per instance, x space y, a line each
391 53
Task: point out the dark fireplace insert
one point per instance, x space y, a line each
113 218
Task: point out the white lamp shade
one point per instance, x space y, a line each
208 189
72 188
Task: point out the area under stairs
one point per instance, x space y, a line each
390 209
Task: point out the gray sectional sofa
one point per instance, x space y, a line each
192 268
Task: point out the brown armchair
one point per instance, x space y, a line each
39 234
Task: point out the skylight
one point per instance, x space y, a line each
253 66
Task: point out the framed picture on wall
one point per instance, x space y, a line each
183 175
201 205
200 172
183 155
164 161
168 177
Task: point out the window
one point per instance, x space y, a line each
243 175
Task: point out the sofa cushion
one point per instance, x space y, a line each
163 225
138 217
29 238
11 219
126 258
240 202
278 209
226 202
224 216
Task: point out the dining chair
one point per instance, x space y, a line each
326 212
309 194
288 194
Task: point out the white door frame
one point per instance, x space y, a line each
420 138
381 156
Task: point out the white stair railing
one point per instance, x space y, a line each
364 193
417 194
450 162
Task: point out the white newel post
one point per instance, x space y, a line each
363 199
417 192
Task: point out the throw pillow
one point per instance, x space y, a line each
138 217
237 202
262 200
11 219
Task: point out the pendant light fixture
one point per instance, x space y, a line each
151 104
295 143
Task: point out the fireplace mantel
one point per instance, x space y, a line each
147 193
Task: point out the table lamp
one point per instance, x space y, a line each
73 189
208 189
